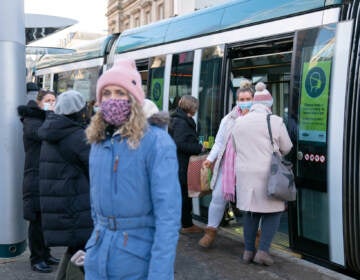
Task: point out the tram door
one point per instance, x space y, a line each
308 86
317 106
268 62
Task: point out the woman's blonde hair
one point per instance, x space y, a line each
133 129
189 104
245 86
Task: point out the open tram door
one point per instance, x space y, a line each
306 73
316 122
269 61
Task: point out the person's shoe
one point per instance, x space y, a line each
263 258
208 239
52 261
192 229
41 267
247 257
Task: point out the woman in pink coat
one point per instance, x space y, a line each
252 167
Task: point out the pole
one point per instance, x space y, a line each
12 90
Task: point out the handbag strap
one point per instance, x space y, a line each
269 129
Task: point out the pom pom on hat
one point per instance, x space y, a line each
69 102
262 95
149 108
124 74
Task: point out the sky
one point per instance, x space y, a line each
89 13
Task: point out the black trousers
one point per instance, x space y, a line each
38 251
186 210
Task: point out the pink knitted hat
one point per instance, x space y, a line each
124 74
262 95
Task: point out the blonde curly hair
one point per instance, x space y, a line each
133 129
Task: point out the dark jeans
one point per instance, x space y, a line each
186 209
269 225
38 251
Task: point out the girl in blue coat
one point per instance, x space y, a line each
135 192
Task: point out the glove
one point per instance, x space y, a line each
78 258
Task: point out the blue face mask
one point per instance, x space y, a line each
244 105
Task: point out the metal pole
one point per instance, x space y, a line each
12 89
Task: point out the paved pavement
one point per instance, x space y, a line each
221 262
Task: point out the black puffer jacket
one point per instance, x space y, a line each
182 129
64 182
32 118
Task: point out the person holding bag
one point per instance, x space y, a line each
182 129
223 190
253 156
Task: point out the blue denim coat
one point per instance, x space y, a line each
136 207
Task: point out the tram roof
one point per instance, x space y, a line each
230 15
92 49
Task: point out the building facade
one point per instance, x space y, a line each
125 14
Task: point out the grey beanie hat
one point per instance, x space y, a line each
69 102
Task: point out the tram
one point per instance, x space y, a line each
306 51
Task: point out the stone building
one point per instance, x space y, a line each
125 14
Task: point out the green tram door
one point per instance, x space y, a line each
315 124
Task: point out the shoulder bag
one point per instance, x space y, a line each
281 184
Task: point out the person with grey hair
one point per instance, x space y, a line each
64 179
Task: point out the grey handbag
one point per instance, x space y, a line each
281 184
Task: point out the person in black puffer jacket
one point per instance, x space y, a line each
64 177
182 129
32 117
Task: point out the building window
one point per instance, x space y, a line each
147 17
137 22
161 12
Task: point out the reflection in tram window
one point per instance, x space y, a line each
82 80
181 78
210 100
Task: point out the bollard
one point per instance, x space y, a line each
12 90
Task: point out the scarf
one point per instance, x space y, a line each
228 181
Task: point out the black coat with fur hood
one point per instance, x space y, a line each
32 117
64 182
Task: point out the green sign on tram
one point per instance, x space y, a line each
315 86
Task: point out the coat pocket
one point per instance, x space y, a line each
133 244
93 240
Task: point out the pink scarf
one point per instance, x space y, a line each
228 181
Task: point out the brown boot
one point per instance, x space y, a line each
192 229
263 258
208 238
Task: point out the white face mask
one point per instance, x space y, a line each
46 106
244 105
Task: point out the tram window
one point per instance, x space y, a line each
312 81
156 80
47 81
82 80
85 82
142 67
181 78
210 100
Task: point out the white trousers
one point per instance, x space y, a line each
217 204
